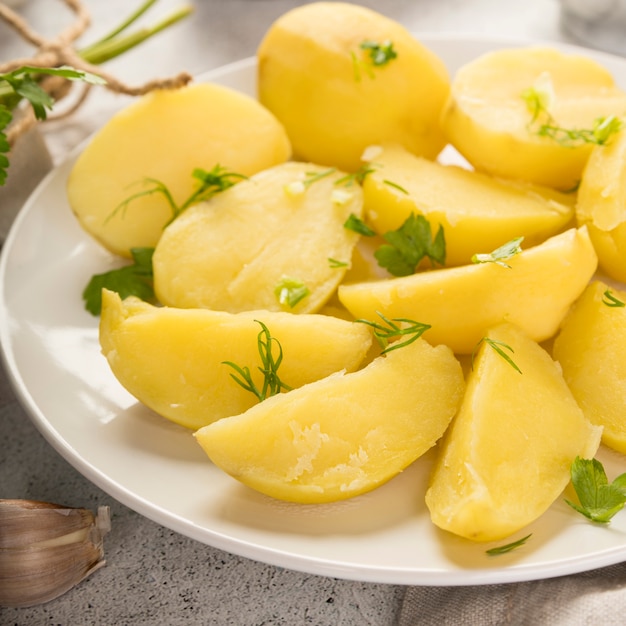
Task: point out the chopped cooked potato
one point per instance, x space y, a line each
172 360
601 204
462 303
275 241
343 435
502 102
590 348
478 213
341 77
164 136
508 452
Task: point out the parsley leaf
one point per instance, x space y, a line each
130 280
409 244
379 53
5 120
357 225
599 499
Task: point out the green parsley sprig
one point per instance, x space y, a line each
599 500
377 54
385 333
409 244
272 384
135 279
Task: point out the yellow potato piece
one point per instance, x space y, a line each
343 435
319 82
490 123
478 213
590 348
235 251
601 204
165 135
171 360
507 455
462 303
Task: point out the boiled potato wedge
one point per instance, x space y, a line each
164 136
492 125
316 74
478 213
590 348
254 246
172 360
462 303
508 452
343 435
601 205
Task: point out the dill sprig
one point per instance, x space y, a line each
384 334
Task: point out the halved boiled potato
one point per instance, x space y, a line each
164 136
172 360
261 244
489 121
508 452
601 204
478 213
316 74
343 435
462 303
590 348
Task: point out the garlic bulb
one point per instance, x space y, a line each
46 549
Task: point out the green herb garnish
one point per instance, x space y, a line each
131 280
409 244
499 347
356 177
384 334
501 254
377 55
396 186
356 224
290 291
599 499
334 263
508 547
22 83
538 100
610 300
272 384
210 182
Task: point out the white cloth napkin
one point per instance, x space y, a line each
595 598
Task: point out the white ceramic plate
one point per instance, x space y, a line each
50 346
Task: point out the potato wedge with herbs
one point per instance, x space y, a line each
343 435
507 455
341 77
173 360
601 204
535 292
478 213
276 241
161 138
590 348
510 111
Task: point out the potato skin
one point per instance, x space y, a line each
311 77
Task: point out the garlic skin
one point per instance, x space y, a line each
46 549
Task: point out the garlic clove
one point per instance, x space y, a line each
46 549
